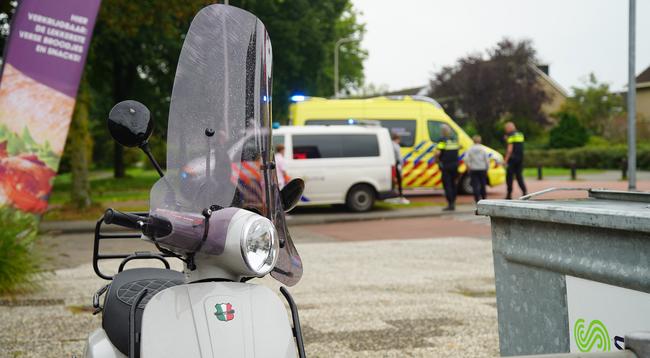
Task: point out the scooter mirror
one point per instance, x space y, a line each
129 123
291 193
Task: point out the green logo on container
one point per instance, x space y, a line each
594 335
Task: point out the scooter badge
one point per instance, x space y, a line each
224 312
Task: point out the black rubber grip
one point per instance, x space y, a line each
131 221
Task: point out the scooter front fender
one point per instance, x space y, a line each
216 319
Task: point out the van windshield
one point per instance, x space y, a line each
405 128
435 130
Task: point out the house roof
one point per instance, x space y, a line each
550 81
644 76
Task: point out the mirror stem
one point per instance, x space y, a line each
147 150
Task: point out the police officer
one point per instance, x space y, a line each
447 157
514 158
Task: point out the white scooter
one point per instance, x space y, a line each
217 208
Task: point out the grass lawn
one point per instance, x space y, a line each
130 193
559 172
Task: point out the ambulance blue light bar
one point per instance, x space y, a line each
298 98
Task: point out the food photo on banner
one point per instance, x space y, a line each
42 67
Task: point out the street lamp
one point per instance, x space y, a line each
336 62
631 99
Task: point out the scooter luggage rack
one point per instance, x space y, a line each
138 255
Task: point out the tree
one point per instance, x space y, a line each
303 33
134 54
594 106
488 90
568 133
79 147
7 9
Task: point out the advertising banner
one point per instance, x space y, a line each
601 315
44 60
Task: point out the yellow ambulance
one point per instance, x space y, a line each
416 119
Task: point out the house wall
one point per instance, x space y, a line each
556 98
643 102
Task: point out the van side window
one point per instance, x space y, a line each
405 128
315 146
435 130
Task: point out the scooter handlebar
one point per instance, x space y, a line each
132 221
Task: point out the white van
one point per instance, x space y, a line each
352 165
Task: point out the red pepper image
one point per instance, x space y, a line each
25 181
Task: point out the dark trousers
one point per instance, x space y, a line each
398 171
478 178
515 169
449 174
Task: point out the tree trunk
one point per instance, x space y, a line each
123 77
118 161
80 144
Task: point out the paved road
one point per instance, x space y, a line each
392 288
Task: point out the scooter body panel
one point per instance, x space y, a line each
99 346
216 319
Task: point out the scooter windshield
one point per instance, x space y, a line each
219 131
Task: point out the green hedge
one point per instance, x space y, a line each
19 263
607 157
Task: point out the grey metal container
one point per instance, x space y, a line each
538 243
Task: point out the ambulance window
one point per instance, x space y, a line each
335 146
405 128
435 130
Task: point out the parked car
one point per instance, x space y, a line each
351 165
416 119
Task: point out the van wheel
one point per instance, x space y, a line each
360 198
465 185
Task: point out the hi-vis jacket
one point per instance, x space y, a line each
449 149
517 141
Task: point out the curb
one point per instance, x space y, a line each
86 227
317 219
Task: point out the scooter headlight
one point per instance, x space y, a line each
259 245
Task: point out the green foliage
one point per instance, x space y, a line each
133 55
489 88
568 133
18 262
600 157
594 105
303 33
470 129
136 185
136 44
596 141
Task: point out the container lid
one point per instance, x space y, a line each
611 209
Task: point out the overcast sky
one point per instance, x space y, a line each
408 40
